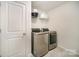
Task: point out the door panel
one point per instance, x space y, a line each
15 16
13 29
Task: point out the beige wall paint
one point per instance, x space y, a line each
65 20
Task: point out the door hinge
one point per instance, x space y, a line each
0 30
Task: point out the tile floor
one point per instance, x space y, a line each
59 52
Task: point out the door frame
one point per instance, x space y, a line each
0 28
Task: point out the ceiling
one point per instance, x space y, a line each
46 5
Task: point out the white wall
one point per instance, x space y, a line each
65 20
39 23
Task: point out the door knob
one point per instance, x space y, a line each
24 34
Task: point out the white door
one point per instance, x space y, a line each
12 29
